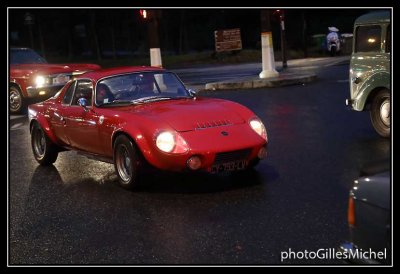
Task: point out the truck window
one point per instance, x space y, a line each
368 39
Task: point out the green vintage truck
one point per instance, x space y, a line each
370 69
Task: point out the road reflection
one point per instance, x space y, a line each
75 172
172 218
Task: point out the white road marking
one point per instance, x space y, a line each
16 117
16 126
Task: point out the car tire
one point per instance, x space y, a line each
44 150
16 100
333 51
380 113
126 162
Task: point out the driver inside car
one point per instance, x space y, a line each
103 94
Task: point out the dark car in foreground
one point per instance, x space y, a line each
135 116
369 216
32 78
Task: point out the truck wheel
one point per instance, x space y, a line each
44 150
16 100
126 162
380 113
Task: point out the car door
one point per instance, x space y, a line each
81 127
56 114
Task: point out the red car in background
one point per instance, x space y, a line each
134 116
31 77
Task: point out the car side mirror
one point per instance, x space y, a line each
83 102
192 92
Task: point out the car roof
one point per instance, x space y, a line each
374 17
101 73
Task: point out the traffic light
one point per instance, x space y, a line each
278 14
143 14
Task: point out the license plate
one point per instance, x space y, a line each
229 166
61 79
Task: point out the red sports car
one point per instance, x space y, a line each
133 116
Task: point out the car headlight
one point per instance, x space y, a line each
258 127
39 81
171 142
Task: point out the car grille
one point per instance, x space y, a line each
231 156
208 124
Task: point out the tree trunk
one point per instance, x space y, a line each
112 35
95 39
304 20
181 31
41 38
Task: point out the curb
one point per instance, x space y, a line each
284 80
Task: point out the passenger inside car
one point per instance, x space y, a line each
143 84
83 90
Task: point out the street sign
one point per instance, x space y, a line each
227 40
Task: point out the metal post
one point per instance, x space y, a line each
283 40
154 43
267 48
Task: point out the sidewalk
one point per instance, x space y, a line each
299 71
285 78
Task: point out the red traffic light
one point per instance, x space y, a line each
278 14
143 14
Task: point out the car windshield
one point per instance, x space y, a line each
25 56
140 88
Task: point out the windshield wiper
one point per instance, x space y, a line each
150 99
116 102
142 100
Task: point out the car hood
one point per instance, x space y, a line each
52 68
190 114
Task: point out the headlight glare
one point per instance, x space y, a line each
39 81
171 142
258 127
165 141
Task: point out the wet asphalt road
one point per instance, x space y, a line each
75 213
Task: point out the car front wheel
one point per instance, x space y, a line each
126 162
380 113
16 100
44 150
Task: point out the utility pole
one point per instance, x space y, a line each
152 16
283 37
267 47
